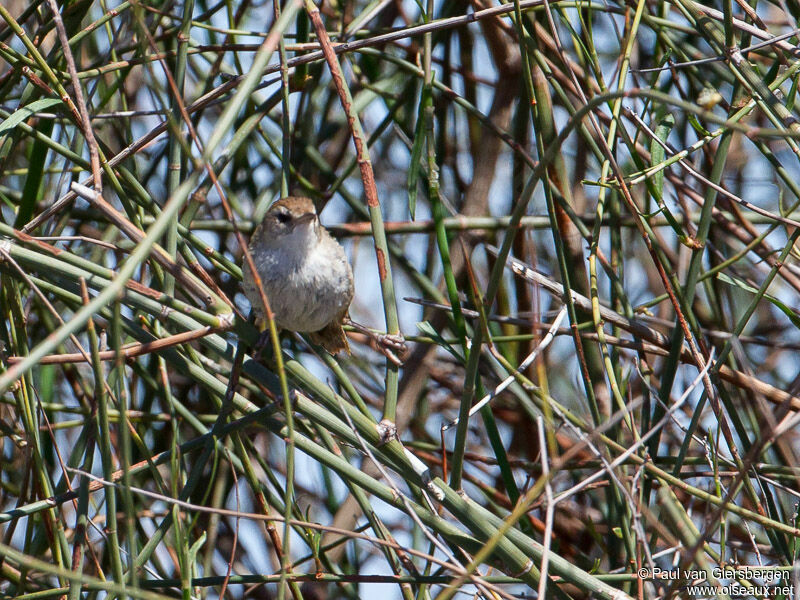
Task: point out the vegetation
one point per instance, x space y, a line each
581 216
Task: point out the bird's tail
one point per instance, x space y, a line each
331 337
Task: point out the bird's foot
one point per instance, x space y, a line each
261 343
393 341
391 345
262 350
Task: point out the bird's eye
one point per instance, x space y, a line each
283 217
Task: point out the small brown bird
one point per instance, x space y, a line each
304 273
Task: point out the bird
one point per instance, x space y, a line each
304 274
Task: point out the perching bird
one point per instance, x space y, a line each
304 273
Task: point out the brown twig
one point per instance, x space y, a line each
128 351
83 113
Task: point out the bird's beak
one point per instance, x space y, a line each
306 218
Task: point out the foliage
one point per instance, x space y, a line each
580 215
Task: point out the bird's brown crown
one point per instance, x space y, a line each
294 206
282 218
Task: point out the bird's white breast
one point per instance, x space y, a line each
307 280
